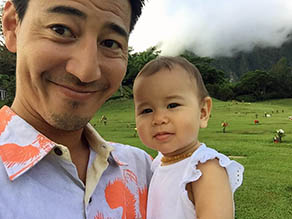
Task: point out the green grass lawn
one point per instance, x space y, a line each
266 192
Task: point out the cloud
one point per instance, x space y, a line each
212 27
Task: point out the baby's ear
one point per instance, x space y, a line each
10 23
206 107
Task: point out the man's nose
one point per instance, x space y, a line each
159 118
84 62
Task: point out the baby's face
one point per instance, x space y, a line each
167 109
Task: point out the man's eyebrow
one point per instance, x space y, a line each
118 29
67 10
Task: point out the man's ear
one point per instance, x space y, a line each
10 23
206 107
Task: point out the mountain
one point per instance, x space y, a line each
258 59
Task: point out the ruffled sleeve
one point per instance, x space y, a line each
203 154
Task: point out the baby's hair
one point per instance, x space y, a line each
169 62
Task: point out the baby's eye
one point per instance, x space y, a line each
145 111
112 44
172 105
62 31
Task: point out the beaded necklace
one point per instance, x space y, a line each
166 160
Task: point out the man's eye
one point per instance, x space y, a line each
145 111
112 44
62 31
172 105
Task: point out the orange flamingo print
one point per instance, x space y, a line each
7 114
118 195
12 154
129 176
100 216
143 201
45 143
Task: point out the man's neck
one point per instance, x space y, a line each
78 146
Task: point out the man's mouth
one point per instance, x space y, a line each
75 92
78 89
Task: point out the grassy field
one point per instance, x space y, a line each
266 192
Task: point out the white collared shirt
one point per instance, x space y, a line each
38 179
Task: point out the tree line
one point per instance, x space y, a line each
252 86
258 85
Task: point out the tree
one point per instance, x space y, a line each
136 61
1 33
7 83
7 61
281 74
7 69
225 92
253 86
212 77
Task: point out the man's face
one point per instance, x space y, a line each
71 57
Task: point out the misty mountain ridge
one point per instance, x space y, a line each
258 59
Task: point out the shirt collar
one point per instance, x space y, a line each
22 146
102 147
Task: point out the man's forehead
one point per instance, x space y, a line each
120 10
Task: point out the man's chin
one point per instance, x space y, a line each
67 122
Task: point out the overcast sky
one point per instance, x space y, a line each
212 27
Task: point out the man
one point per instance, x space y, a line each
71 57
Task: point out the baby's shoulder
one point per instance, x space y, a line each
207 160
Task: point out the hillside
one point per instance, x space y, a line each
258 59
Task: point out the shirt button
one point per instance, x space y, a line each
58 151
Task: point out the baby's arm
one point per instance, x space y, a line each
212 193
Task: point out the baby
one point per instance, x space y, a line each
190 180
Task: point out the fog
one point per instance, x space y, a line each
211 27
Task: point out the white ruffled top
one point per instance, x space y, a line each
168 198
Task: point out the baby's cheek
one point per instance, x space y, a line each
145 136
191 130
141 133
